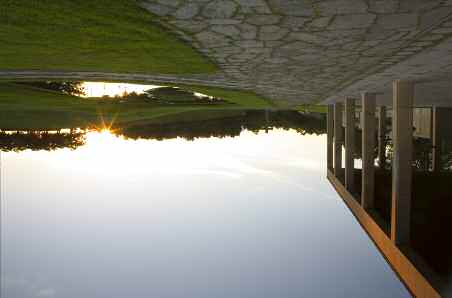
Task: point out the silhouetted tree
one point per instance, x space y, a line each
252 120
40 140
71 88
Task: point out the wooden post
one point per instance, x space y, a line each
349 143
402 131
330 135
267 120
368 145
382 136
436 140
338 139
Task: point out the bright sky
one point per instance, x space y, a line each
233 157
99 89
250 216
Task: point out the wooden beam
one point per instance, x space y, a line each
338 139
382 136
349 144
402 132
330 136
408 272
436 140
368 145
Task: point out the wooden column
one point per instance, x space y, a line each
267 120
436 140
330 136
402 131
382 136
338 139
368 145
349 143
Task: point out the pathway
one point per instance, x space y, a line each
299 51
303 51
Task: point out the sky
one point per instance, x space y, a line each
250 216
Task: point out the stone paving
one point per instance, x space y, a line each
431 70
296 51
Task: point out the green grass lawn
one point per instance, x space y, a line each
25 107
243 98
98 35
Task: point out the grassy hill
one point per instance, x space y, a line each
26 107
100 35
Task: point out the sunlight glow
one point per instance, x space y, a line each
262 154
99 89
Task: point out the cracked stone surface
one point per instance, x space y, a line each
296 51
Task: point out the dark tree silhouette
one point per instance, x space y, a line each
71 88
40 140
253 120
